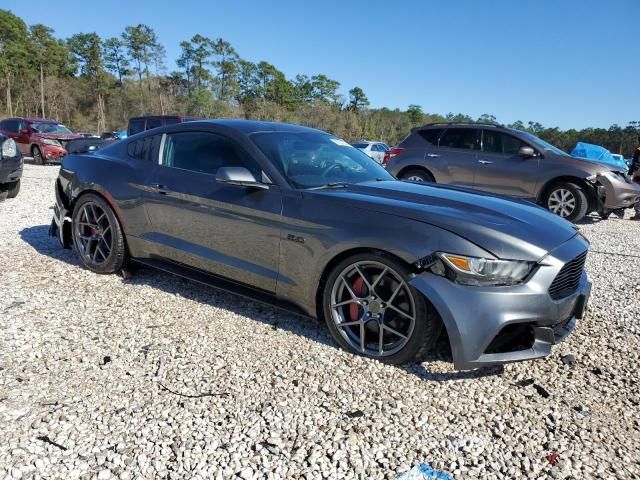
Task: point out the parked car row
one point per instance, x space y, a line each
299 218
511 162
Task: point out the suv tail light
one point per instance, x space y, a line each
389 154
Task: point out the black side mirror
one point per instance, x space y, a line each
239 176
526 152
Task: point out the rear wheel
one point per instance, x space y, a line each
417 175
371 310
37 155
567 200
97 235
12 189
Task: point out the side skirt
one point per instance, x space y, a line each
224 284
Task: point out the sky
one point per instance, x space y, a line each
564 63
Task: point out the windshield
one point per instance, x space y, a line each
50 128
312 159
538 142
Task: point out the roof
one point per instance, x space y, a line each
255 126
40 120
461 124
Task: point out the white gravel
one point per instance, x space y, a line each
156 377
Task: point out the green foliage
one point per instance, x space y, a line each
93 84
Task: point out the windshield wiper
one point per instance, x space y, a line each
330 185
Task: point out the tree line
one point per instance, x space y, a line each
96 84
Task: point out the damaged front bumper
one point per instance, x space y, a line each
495 325
615 190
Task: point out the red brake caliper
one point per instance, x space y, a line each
358 289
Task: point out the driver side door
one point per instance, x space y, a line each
228 230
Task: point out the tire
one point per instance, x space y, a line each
567 200
418 175
3 195
97 236
38 159
12 189
387 276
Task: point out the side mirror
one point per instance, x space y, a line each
526 152
24 131
239 176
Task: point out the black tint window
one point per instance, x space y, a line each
205 152
136 126
153 123
140 148
431 135
498 142
171 121
11 125
465 138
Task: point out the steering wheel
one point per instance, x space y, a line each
334 166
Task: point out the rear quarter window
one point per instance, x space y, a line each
431 135
140 149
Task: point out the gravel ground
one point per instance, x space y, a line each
156 377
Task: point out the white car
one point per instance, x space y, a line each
375 150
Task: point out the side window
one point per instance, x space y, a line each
463 138
431 135
498 142
205 153
377 148
140 149
153 123
11 126
136 126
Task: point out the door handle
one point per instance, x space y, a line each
485 162
158 188
432 155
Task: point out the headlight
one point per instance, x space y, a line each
9 148
51 141
481 271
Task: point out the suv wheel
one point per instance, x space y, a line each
372 310
37 155
417 175
567 200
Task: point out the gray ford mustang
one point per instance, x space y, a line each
298 217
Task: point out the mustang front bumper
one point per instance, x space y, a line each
477 318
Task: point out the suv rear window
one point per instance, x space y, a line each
431 135
464 138
136 126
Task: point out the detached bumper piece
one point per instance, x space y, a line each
61 223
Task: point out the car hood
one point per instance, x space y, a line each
507 228
59 136
597 166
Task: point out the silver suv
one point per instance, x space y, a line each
511 162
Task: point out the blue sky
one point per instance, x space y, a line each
566 63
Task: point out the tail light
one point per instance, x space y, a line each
389 154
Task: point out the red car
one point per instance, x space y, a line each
44 140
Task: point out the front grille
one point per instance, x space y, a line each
567 280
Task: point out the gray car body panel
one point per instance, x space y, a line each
283 241
526 178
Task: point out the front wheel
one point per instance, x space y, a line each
12 189
97 236
417 175
372 310
37 155
567 200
